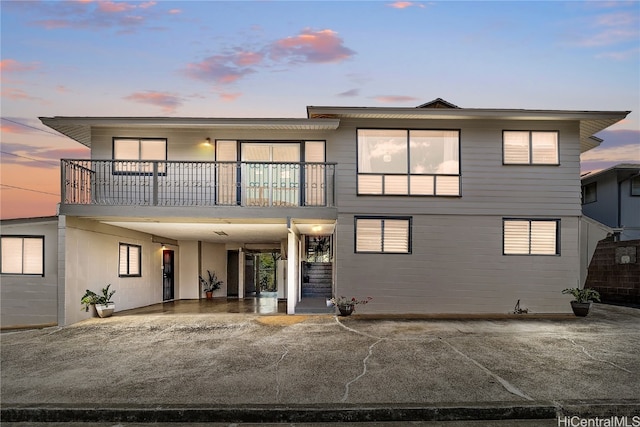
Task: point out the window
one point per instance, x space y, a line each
530 148
134 151
409 162
22 255
130 260
383 235
531 237
635 186
589 193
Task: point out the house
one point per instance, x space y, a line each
29 265
612 197
434 209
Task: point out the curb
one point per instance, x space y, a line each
273 414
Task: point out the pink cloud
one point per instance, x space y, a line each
147 4
311 46
168 102
388 99
17 94
620 55
222 69
404 4
230 97
175 11
62 89
248 58
114 7
11 65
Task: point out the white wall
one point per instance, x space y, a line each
214 258
189 281
91 262
31 300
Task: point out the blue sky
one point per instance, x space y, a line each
273 58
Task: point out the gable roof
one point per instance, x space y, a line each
626 169
438 103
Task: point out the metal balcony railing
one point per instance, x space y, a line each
175 183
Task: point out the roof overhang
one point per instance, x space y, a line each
79 128
591 122
623 171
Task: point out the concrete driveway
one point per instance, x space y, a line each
252 368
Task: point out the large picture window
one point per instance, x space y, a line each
137 154
383 235
22 255
530 147
130 260
531 237
409 162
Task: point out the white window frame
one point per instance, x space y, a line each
139 164
126 263
384 238
531 239
532 149
409 183
24 260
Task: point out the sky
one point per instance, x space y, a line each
273 58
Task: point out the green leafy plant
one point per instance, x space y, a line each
91 298
212 283
583 295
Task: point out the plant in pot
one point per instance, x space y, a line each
103 304
582 302
210 284
346 306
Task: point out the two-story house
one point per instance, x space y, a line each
434 209
612 197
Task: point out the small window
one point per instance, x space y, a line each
635 186
589 193
383 235
531 237
530 148
137 155
130 260
22 255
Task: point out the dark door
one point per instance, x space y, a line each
232 273
167 275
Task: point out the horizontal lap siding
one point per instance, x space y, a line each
488 186
457 266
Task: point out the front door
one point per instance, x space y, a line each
167 275
232 273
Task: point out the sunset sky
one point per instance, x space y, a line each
273 58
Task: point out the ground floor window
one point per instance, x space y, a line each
531 236
383 235
22 255
130 260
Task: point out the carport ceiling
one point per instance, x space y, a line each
221 232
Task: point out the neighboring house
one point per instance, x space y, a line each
29 267
612 197
435 209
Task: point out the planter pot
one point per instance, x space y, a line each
580 309
346 310
105 310
329 303
209 295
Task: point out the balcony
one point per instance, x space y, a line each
198 184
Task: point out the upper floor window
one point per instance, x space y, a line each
635 186
383 235
531 237
409 162
130 260
137 151
22 255
530 147
589 193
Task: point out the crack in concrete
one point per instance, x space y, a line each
506 384
364 371
584 350
286 351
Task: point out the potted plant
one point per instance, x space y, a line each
582 302
211 284
346 306
103 304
